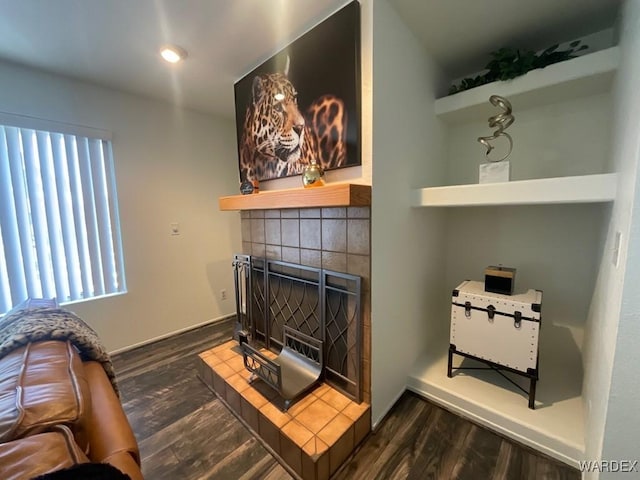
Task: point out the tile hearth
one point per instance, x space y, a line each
313 437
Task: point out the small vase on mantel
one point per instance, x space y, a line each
312 175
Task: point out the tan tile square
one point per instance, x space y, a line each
297 433
315 447
290 233
311 258
206 354
227 354
366 380
311 234
339 452
238 382
263 389
335 429
258 249
334 261
291 453
268 353
278 402
309 213
355 410
224 346
237 363
278 418
321 389
360 265
219 384
272 231
213 359
224 370
358 237
362 427
317 415
366 342
257 230
315 468
254 397
269 433
335 399
207 361
358 212
301 404
291 254
334 236
334 212
205 373
233 398
245 229
273 252
250 414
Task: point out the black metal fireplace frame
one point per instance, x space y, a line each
264 297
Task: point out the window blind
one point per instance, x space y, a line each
59 227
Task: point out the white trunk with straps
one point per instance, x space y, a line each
503 329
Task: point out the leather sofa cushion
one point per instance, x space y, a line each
43 384
110 432
29 457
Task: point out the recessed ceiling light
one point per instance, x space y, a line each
173 53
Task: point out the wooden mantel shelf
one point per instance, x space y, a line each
332 195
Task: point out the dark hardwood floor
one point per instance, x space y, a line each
186 433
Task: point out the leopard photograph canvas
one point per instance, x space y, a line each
303 104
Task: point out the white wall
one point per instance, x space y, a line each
611 355
622 428
171 165
562 139
407 264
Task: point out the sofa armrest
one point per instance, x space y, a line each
110 434
124 462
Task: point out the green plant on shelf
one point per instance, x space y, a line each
508 63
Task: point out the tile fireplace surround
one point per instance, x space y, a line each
313 438
335 238
321 429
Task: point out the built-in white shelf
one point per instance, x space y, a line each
560 190
589 74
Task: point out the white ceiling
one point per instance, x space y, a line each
115 42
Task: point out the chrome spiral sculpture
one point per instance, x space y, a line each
501 122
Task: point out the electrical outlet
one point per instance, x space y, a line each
223 294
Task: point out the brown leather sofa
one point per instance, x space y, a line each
57 411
